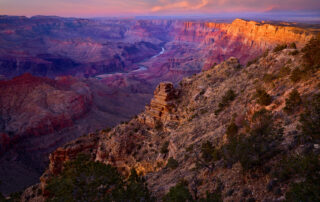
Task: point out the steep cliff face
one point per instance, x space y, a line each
242 39
204 115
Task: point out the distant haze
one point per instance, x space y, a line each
100 8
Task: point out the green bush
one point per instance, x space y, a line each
263 98
303 191
86 180
279 48
209 153
255 60
292 45
2 198
295 52
284 71
172 163
293 101
311 53
269 78
136 189
306 166
310 119
296 75
228 97
212 197
232 129
164 148
178 193
258 146
158 125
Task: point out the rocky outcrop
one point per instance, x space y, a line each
161 107
139 144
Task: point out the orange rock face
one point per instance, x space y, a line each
161 106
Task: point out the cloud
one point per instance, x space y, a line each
179 5
91 8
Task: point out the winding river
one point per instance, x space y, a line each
141 67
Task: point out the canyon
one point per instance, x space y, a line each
180 121
65 77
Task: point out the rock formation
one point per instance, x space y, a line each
137 144
161 107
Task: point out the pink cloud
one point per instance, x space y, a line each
180 5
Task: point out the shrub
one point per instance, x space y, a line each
209 153
258 146
172 163
306 166
232 129
284 71
310 119
180 193
228 97
292 45
279 48
263 98
2 198
295 52
212 197
296 75
106 130
293 101
269 78
311 53
86 180
158 125
164 148
303 191
255 60
265 54
136 189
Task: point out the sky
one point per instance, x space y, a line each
100 8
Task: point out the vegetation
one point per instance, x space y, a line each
269 78
280 47
212 197
158 125
306 166
209 153
255 60
311 53
232 130
293 101
292 45
295 52
303 191
228 97
164 148
296 75
85 180
2 198
310 120
172 163
263 98
180 193
284 71
258 146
